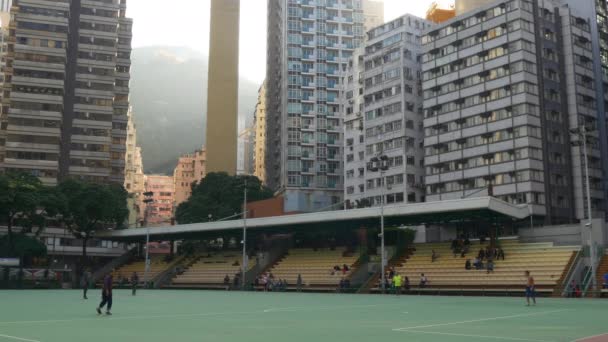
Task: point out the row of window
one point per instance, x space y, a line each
485 160
485 181
484 139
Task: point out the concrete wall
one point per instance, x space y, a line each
464 6
559 235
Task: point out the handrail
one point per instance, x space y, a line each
587 280
569 274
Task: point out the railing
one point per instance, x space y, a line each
587 280
572 272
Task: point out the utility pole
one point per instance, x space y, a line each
245 262
381 164
147 201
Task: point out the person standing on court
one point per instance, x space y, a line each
106 294
530 289
86 282
134 283
299 283
397 284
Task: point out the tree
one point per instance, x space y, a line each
220 195
19 197
91 206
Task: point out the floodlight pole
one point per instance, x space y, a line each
582 133
589 217
244 263
383 259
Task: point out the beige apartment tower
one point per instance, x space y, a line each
222 93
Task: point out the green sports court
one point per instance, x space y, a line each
183 315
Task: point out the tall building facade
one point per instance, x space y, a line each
190 169
160 211
382 110
309 44
66 90
222 91
504 85
245 151
374 13
5 19
259 131
5 5
134 168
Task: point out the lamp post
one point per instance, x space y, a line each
381 164
244 263
147 201
581 132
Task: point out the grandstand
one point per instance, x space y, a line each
315 266
208 270
158 264
546 262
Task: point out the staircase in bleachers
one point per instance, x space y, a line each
157 265
601 270
209 270
546 263
315 267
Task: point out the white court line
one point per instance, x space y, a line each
18 338
478 320
480 336
115 318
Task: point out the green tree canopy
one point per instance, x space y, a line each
220 195
26 202
90 207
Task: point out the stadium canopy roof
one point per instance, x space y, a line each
480 209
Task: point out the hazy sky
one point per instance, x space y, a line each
186 23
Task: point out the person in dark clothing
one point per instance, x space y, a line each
106 295
481 254
500 254
86 282
467 265
406 284
134 283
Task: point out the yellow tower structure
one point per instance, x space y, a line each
438 15
222 93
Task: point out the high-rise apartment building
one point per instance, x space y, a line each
504 85
190 169
309 44
259 131
382 110
5 5
66 90
374 13
245 151
134 168
159 212
5 19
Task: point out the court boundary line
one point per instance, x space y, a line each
478 320
479 336
590 337
18 338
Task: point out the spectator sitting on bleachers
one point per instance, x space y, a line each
606 280
391 272
467 265
478 264
500 254
344 269
423 281
490 266
434 256
481 254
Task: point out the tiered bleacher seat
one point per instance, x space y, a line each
315 267
546 263
211 270
157 265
